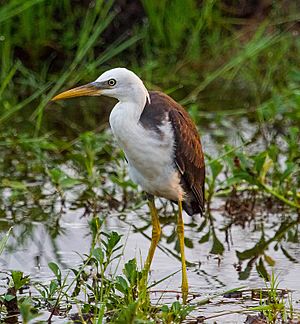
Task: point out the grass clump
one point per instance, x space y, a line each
273 307
93 292
275 304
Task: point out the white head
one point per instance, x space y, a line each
121 84
118 83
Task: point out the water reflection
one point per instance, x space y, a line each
48 224
237 243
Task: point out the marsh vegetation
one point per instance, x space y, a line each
75 230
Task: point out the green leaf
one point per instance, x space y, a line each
27 310
268 163
172 237
127 314
9 297
113 240
19 280
14 8
253 252
55 175
69 182
130 271
55 269
261 269
290 168
202 226
122 285
53 287
244 275
205 238
286 253
218 247
18 185
99 255
60 178
176 306
188 242
269 260
216 167
244 175
259 161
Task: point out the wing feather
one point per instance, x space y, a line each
189 158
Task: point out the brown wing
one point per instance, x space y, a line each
189 157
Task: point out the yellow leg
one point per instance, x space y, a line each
180 232
156 231
154 241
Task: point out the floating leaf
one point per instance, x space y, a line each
205 238
286 253
258 249
261 269
188 242
244 275
218 247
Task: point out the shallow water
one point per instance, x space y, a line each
47 229
209 273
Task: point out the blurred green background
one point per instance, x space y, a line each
234 65
222 56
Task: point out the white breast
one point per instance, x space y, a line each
150 155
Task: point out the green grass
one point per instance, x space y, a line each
264 65
92 291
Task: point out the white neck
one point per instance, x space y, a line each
125 116
124 120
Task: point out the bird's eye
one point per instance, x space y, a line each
112 82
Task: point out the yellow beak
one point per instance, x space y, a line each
85 90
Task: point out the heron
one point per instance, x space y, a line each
161 145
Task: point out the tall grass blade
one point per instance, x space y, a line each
4 240
14 8
9 113
8 78
252 49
